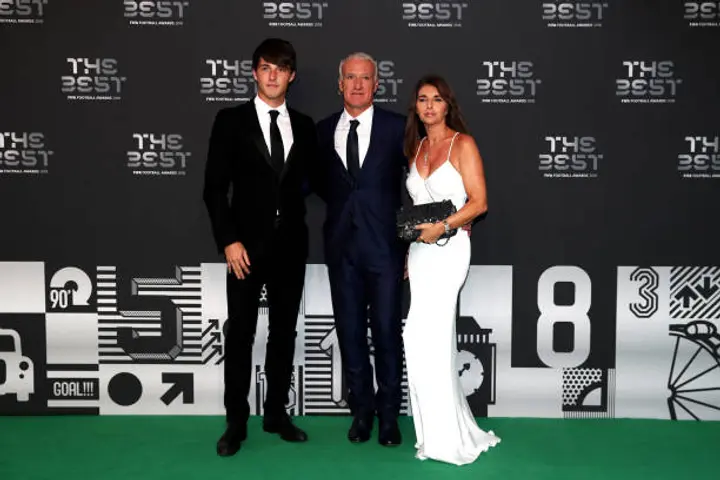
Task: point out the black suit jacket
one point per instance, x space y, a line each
238 165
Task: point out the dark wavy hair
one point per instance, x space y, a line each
414 128
277 51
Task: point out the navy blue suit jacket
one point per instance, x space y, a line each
361 213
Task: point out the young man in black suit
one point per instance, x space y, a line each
260 152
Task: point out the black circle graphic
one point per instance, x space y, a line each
125 389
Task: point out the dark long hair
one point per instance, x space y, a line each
414 128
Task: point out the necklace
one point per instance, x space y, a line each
427 150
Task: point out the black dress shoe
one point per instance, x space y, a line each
285 428
360 429
389 435
231 440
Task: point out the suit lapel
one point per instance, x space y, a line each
255 132
331 147
375 133
296 135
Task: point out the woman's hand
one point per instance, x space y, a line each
431 232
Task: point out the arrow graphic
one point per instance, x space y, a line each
214 338
707 289
686 295
216 350
182 384
214 325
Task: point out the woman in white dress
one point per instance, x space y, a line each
445 164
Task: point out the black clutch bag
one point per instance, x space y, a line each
409 218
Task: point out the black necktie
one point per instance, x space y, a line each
353 151
277 150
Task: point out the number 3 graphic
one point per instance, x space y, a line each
647 291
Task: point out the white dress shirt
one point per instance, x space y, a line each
283 122
363 132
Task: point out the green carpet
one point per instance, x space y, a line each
183 448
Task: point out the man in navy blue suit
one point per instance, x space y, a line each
361 172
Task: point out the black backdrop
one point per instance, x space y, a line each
641 205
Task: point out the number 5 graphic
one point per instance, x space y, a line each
146 348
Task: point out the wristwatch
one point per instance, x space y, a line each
446 225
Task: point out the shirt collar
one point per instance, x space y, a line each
364 118
263 108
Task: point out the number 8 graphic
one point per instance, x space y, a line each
551 314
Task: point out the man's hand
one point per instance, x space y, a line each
237 260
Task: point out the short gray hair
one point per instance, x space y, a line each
358 56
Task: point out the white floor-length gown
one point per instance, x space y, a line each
445 428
